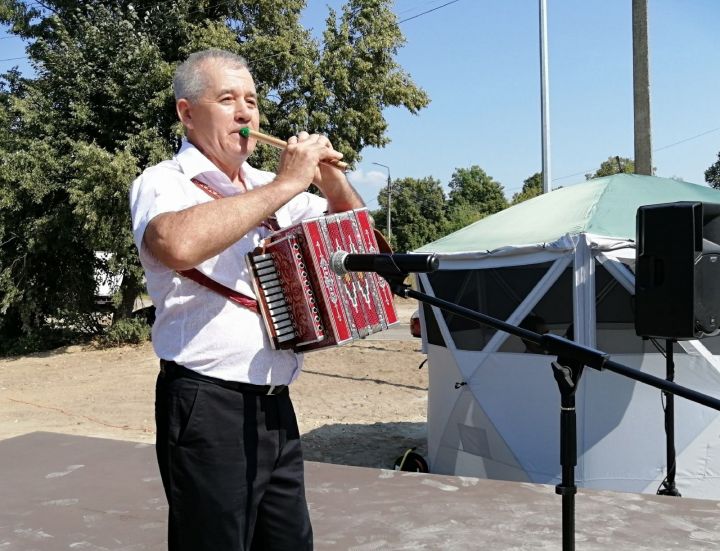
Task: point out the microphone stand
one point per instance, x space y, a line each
567 370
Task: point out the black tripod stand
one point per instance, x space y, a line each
567 370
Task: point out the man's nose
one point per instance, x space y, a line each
242 111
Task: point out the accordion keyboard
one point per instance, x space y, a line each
304 305
273 295
285 295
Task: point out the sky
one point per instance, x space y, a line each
479 61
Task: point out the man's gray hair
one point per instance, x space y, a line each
189 81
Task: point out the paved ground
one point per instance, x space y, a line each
74 492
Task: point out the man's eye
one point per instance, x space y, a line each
226 100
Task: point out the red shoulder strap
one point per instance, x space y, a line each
238 298
270 223
198 277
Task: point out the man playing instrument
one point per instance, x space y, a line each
228 443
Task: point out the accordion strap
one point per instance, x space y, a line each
231 294
198 277
270 223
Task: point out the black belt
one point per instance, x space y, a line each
171 369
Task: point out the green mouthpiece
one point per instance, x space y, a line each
245 132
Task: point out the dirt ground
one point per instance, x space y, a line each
360 404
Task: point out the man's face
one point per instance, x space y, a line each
228 103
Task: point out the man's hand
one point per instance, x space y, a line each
300 160
329 179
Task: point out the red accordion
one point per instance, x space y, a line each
304 304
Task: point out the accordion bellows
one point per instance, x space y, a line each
306 306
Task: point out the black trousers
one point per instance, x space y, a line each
232 468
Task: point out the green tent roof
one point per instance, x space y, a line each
604 206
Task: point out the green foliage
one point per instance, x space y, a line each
126 331
100 109
461 215
43 339
417 212
361 77
712 174
421 213
473 195
613 165
532 187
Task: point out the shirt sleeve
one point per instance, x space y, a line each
306 205
156 191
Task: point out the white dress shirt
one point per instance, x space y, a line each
194 326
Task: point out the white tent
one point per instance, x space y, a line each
568 257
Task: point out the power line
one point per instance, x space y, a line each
571 175
428 11
668 146
416 6
228 2
687 139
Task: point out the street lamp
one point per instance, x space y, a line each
389 201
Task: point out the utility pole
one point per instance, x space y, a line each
641 88
389 201
544 99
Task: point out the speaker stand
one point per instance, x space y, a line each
668 488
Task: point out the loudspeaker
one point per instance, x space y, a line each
677 272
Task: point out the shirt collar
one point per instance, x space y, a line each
196 165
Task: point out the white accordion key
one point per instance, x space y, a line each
270 270
288 337
270 285
268 278
264 263
278 311
280 317
277 303
274 294
283 324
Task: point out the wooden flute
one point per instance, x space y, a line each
248 132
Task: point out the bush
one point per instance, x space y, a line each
18 338
38 341
126 331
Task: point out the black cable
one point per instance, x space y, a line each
428 11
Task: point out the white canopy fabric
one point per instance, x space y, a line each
494 409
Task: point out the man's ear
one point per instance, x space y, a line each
184 112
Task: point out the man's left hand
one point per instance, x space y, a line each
331 180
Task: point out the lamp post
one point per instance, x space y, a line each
389 201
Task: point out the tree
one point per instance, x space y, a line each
473 195
532 187
613 165
712 174
417 212
100 109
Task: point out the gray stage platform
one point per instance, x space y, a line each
70 492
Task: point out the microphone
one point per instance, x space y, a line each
389 264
